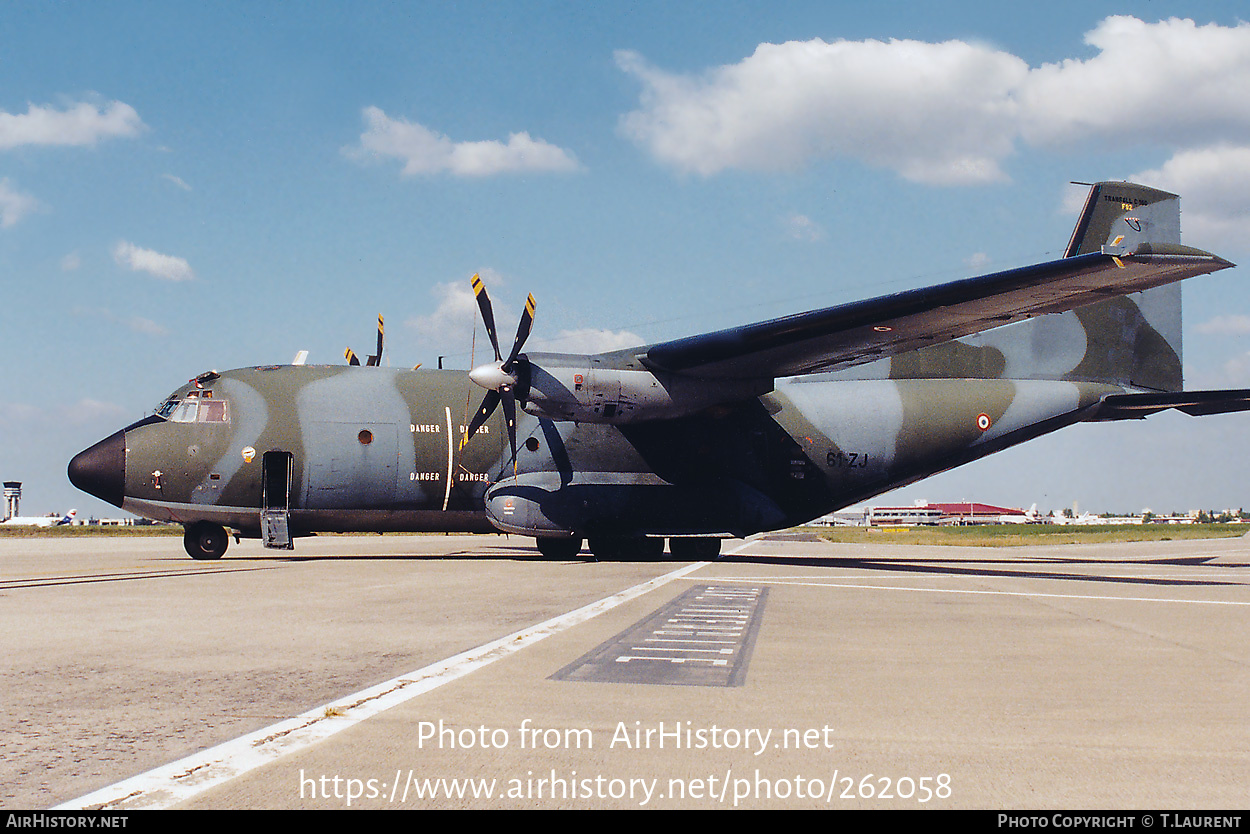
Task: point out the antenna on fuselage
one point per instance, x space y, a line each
375 359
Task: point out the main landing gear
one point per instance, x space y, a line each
695 549
205 540
560 550
631 548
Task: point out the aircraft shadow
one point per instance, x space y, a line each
963 568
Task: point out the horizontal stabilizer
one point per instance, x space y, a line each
1193 403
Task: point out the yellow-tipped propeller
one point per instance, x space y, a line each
499 378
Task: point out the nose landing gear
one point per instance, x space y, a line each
205 540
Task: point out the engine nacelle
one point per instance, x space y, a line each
592 389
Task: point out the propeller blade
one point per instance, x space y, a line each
498 378
488 315
522 332
374 361
509 415
489 403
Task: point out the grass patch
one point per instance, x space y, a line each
71 531
1017 535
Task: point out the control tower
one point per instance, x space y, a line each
12 497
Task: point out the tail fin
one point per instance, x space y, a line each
1134 340
1125 215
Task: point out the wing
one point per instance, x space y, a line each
852 334
1193 403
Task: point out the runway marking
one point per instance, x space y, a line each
183 779
704 637
784 581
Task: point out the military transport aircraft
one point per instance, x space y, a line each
721 435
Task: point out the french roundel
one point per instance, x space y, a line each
984 421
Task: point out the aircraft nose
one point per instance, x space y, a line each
101 469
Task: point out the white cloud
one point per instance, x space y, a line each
977 260
71 262
1073 198
1171 81
14 205
146 326
425 152
802 227
178 181
1231 325
450 327
934 112
451 321
83 412
1214 184
78 124
138 324
1237 371
586 340
944 113
165 267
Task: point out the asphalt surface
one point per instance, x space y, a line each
878 675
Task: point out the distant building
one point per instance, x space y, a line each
919 514
950 514
856 516
971 512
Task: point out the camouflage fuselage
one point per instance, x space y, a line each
728 433
378 449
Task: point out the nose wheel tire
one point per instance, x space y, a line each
205 540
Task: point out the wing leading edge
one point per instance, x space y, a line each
852 334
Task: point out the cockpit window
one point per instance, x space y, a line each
194 407
186 412
195 410
212 411
166 408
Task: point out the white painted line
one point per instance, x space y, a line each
782 581
750 540
183 779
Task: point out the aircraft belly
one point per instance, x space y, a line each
304 522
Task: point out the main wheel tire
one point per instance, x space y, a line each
205 540
627 548
697 549
559 550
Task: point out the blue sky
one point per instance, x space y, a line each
188 186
